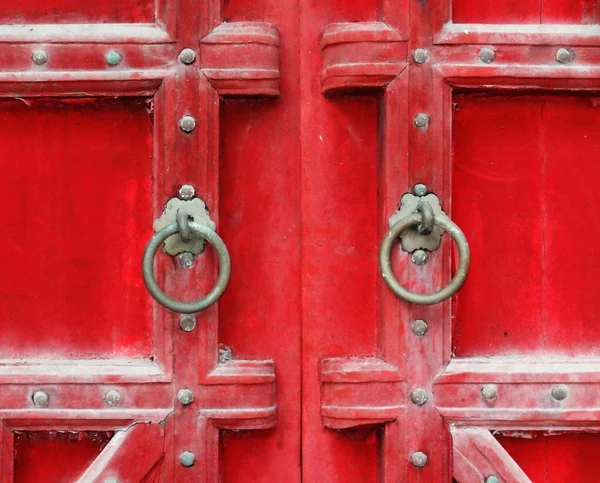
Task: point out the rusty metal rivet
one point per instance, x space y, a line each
112 398
187 323
420 56
492 479
421 120
185 397
39 57
187 124
187 459
564 56
487 55
419 327
40 398
420 189
489 391
187 56
419 396
187 192
559 392
113 57
420 257
418 459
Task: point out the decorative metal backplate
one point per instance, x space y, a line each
197 211
411 239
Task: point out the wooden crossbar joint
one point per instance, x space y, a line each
361 55
242 59
359 392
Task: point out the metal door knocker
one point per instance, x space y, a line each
420 223
184 227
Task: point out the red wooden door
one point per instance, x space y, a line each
491 106
107 108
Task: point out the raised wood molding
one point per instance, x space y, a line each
242 58
360 55
359 392
476 455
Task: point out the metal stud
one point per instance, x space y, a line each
420 189
187 192
187 124
40 398
492 479
420 56
185 397
187 323
559 392
421 120
487 55
564 56
419 327
187 56
420 257
489 392
112 479
186 260
112 398
419 396
418 459
39 57
187 459
113 57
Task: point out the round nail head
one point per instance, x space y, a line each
489 391
40 398
564 56
487 55
420 189
420 56
420 257
187 124
559 392
187 323
113 58
112 398
419 327
418 459
39 57
187 56
187 459
185 397
419 396
422 120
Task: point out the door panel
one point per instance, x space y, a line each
81 183
528 273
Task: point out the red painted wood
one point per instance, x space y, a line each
75 11
55 456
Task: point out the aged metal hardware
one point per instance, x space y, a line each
419 327
40 398
185 397
187 124
559 392
424 213
418 459
187 56
113 58
420 257
39 57
487 55
420 56
187 323
489 392
564 56
419 396
112 398
188 220
187 459
421 120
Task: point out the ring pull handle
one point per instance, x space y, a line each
189 234
425 218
